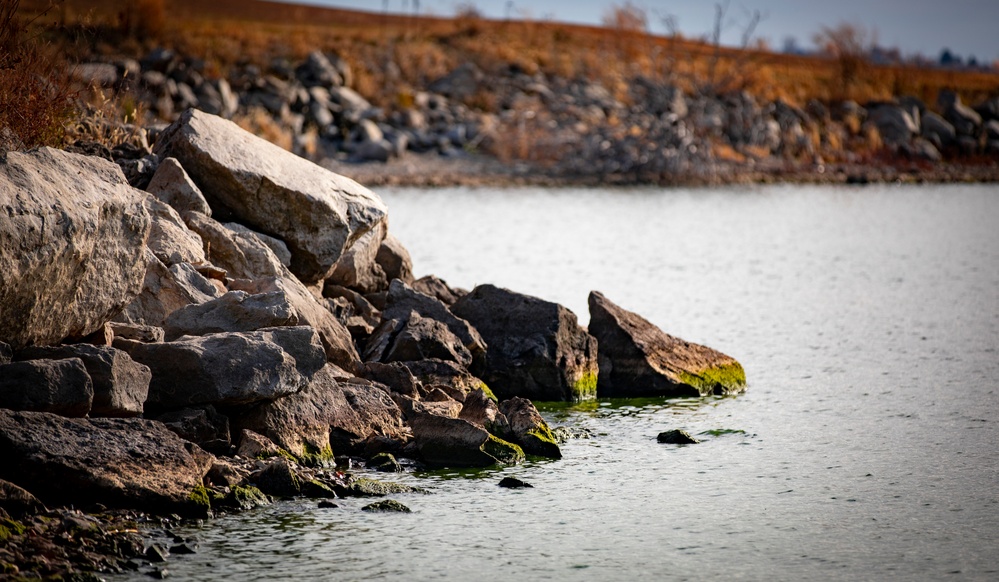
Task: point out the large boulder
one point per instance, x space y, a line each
72 236
454 442
120 384
402 300
938 130
117 462
234 311
415 338
895 124
537 349
317 213
394 260
436 287
332 413
639 359
202 425
60 387
230 368
528 429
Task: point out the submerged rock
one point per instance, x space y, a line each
387 505
72 240
639 359
317 213
536 350
676 437
117 462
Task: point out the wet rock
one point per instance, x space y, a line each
402 301
536 348
230 368
384 462
453 442
169 238
117 462
120 385
278 479
201 425
327 505
333 411
234 311
639 359
375 488
676 437
483 411
528 429
514 483
394 260
57 386
387 505
317 213
70 222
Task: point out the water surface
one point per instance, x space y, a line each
865 448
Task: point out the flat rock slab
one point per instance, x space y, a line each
230 368
639 359
72 240
117 462
317 213
536 348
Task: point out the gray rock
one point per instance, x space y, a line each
435 287
333 412
402 300
395 375
461 83
316 212
336 339
172 185
120 385
317 70
894 123
394 260
453 442
234 311
938 130
387 505
61 387
965 119
358 268
71 245
922 149
166 290
242 254
528 429
137 332
416 338
169 238
639 359
230 368
118 462
349 99
201 425
276 245
536 348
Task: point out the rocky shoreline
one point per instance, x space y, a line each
226 323
511 127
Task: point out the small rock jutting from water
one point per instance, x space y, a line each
676 437
514 483
387 505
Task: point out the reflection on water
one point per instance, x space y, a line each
865 448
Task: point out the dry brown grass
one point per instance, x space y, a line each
226 32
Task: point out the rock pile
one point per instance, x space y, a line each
648 130
255 312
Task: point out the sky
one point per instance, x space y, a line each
966 27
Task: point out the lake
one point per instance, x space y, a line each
865 448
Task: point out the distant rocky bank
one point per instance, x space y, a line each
245 328
544 129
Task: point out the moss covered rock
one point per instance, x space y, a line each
529 429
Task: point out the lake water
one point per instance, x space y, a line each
866 447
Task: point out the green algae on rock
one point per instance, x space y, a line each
639 359
387 505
